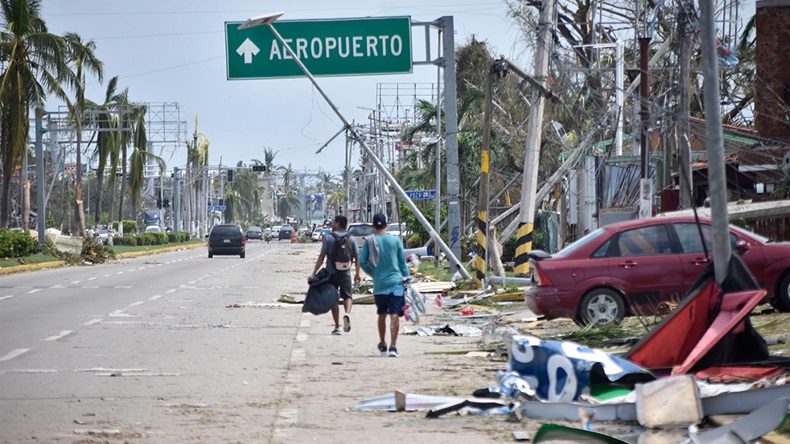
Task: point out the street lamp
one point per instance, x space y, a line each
266 19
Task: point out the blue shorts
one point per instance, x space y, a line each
389 304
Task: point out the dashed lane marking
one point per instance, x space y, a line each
62 334
126 287
155 297
92 322
35 290
6 297
75 282
13 354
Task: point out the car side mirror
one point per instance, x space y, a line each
741 246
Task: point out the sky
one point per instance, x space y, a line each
174 51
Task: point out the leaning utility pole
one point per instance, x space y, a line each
529 182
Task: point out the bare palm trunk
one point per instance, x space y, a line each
111 203
97 205
26 205
79 208
123 187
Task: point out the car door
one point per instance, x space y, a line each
692 255
645 263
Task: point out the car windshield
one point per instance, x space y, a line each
581 242
360 230
254 229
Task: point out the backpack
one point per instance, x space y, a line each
343 252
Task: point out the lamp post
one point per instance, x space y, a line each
267 20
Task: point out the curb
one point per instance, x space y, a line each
30 267
157 251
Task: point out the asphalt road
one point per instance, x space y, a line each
179 348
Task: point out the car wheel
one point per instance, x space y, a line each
782 297
210 255
600 307
241 255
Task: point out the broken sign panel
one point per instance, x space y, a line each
563 370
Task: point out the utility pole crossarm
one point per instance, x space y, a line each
531 80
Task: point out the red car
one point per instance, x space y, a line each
628 268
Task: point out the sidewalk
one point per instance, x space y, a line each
331 374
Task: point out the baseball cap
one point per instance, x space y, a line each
379 220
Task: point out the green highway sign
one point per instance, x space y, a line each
333 47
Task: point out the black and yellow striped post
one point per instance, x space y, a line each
523 247
480 261
529 182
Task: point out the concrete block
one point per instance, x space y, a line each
669 402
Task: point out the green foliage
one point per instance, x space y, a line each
51 221
129 226
95 252
175 237
153 238
17 244
419 235
509 249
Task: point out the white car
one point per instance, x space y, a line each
153 229
276 231
316 236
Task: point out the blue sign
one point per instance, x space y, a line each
217 208
421 194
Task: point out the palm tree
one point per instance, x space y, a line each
268 159
82 56
140 158
242 195
35 64
106 141
197 159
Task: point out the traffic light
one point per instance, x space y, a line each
230 174
259 168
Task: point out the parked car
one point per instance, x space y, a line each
359 231
303 230
285 232
276 231
254 232
630 267
153 229
398 230
227 239
316 235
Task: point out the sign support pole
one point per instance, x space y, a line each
451 119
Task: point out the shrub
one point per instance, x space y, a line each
129 226
17 244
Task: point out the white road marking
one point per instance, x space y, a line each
76 282
14 353
58 336
304 323
123 286
120 272
92 322
6 297
135 304
35 290
298 355
191 282
57 286
107 275
155 297
301 337
90 287
92 278
172 290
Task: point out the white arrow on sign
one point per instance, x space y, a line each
248 49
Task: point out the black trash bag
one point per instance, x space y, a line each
321 296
